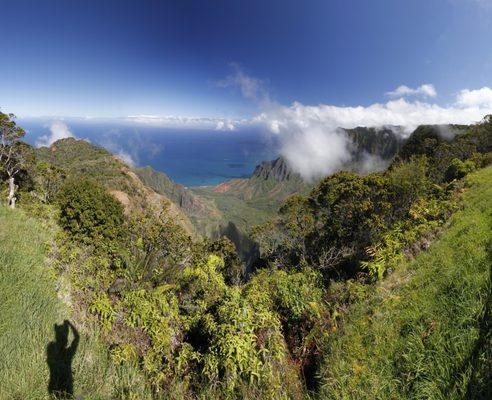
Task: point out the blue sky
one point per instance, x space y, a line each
117 58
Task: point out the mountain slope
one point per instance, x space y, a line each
203 213
80 158
29 310
425 332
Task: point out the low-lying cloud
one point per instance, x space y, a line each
58 130
310 137
313 145
126 158
111 141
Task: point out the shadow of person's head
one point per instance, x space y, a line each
61 334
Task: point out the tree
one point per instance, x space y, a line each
48 179
233 270
12 152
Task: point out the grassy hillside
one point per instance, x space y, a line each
425 332
29 310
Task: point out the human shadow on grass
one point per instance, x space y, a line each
59 356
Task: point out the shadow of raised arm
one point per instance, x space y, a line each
75 342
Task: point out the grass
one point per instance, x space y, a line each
425 331
29 309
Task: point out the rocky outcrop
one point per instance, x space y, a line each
382 142
277 170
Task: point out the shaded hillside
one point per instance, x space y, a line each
231 208
183 197
252 201
79 158
212 217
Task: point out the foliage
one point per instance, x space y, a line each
30 306
183 311
48 181
101 306
351 223
424 332
458 169
88 212
158 246
81 159
233 267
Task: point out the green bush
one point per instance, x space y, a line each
89 212
458 169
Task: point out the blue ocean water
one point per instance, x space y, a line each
190 157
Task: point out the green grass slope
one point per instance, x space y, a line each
425 332
29 308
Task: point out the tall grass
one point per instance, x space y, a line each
29 309
425 332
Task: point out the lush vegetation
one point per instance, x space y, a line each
183 312
424 333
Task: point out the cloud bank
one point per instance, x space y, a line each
58 130
311 140
314 146
475 98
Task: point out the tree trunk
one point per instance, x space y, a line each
11 198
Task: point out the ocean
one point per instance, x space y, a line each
191 157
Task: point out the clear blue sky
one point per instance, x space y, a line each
115 58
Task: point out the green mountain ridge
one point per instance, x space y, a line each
81 159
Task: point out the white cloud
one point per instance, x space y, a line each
251 88
225 125
425 90
475 98
184 122
126 158
58 130
309 136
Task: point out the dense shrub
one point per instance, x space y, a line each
234 271
158 247
458 169
89 212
